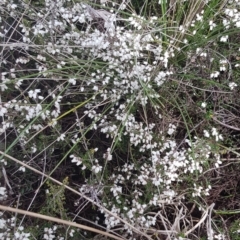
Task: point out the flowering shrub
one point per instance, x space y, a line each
131 107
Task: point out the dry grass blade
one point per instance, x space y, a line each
176 225
225 125
6 179
209 220
57 220
206 214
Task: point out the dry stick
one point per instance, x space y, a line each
78 193
57 220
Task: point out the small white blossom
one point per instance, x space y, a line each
216 134
95 88
49 233
61 137
232 85
116 190
224 38
3 223
3 110
203 104
76 160
171 129
218 162
206 133
71 233
22 168
2 191
72 81
219 237
33 93
223 64
215 74
96 168
212 25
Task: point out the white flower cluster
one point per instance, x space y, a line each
214 133
199 191
131 65
165 166
232 85
215 236
77 160
10 230
233 16
49 233
215 74
20 235
96 168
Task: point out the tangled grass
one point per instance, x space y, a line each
119 118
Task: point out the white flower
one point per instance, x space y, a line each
224 38
214 131
171 129
13 6
95 88
76 160
116 190
199 17
96 168
204 104
220 137
214 74
3 223
61 137
3 111
2 191
41 58
181 28
197 190
206 133
218 163
3 161
72 231
220 237
216 134
49 233
108 156
22 168
223 64
33 93
72 81
212 25
237 24
53 122
232 85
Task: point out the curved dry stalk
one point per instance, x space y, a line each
57 220
225 125
206 214
78 193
